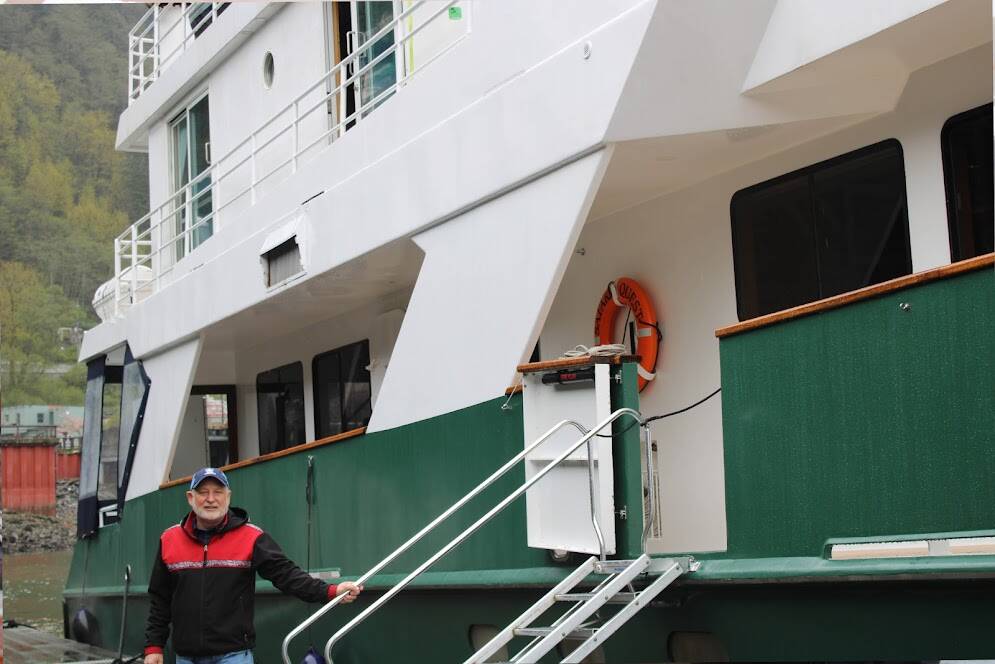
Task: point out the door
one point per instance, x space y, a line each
373 85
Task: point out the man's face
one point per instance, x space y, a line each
209 501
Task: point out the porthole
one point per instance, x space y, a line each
269 69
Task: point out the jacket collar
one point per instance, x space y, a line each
235 518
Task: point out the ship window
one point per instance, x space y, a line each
110 432
832 227
341 389
113 410
967 171
280 407
193 206
269 70
201 15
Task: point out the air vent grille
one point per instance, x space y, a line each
283 262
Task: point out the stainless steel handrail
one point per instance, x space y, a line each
431 526
470 530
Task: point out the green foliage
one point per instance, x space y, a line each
31 314
65 193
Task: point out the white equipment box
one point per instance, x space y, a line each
558 507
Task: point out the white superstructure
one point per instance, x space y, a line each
461 180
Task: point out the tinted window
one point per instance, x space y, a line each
823 230
342 389
967 170
280 406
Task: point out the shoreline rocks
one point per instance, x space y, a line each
25 532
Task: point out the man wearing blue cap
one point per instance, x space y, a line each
203 579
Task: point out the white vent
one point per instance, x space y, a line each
283 262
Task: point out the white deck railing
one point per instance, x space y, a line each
161 36
146 252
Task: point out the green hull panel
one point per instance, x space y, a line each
908 621
863 421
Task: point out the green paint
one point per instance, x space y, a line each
373 492
862 421
626 453
455 13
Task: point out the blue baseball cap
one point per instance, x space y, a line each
205 473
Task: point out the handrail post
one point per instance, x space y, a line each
117 276
594 504
134 263
154 74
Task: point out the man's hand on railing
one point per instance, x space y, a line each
350 589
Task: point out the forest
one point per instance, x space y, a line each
65 193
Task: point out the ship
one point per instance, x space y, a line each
634 331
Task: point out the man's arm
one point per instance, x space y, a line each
273 565
160 596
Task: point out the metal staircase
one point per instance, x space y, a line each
572 623
619 574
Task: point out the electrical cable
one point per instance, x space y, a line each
660 417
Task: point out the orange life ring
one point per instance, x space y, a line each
627 292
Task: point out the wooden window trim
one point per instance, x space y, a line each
321 442
867 293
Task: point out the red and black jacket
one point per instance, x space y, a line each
206 590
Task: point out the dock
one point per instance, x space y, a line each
27 645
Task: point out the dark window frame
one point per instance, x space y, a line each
809 172
957 251
316 390
284 444
231 394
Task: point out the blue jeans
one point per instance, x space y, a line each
240 657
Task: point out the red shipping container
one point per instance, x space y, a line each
67 465
28 477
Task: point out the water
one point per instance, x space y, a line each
32 588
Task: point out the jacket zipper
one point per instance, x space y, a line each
203 576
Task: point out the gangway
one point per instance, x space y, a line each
619 574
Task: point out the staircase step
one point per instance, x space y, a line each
579 633
610 626
618 598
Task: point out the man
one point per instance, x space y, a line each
203 579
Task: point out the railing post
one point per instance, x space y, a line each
156 252
131 67
117 276
155 44
134 263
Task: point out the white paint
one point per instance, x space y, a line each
426 158
171 375
302 346
558 506
801 31
188 69
191 447
679 248
386 328
488 277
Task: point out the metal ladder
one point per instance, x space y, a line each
619 572
572 623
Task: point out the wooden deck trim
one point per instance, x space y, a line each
345 435
969 265
574 362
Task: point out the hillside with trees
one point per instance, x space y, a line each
65 193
